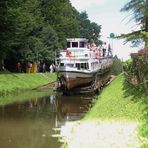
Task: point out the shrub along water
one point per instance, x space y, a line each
136 71
15 83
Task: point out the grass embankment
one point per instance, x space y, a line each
15 83
115 102
113 121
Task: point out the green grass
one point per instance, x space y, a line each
120 101
14 83
115 103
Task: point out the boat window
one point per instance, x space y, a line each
92 65
68 44
86 55
61 64
82 44
78 65
82 65
86 66
74 44
70 65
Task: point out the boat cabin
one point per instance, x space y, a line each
77 43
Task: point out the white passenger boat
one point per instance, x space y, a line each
81 63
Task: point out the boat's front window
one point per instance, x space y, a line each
82 66
86 66
74 44
78 65
68 44
70 65
61 64
82 44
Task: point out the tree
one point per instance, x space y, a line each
60 16
87 29
34 40
117 66
32 30
7 27
139 10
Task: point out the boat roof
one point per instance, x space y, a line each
76 39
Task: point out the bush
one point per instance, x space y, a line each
136 68
117 66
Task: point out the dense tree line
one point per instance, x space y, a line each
33 30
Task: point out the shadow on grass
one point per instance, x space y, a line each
137 92
138 95
5 72
9 73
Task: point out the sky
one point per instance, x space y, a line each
107 14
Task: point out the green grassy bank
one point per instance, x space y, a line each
14 83
118 101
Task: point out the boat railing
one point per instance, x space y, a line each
77 54
81 53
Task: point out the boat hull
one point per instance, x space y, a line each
70 80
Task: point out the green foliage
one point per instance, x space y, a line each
88 29
136 69
144 146
144 130
138 10
32 30
128 66
37 38
117 66
59 14
7 27
145 36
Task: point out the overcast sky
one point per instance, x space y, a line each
107 14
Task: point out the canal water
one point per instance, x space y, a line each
33 122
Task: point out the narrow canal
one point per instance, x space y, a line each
32 123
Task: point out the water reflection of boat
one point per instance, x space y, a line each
70 109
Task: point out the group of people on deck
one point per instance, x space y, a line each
104 50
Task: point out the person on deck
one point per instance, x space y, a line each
104 47
109 50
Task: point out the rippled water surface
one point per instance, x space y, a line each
31 123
